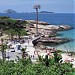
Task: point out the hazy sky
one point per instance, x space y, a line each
58 6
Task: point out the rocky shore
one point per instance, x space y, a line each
47 26
49 32
51 40
55 40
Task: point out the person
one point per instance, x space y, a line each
33 56
66 51
28 41
34 52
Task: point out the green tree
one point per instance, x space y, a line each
57 57
3 48
13 27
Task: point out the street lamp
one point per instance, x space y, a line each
36 7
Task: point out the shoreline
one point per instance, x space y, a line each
32 21
28 44
47 26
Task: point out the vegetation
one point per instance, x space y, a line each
3 17
12 27
3 48
24 66
44 67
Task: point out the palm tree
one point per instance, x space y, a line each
3 47
36 7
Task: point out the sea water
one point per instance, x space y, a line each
52 18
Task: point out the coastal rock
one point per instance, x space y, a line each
47 26
39 22
54 27
65 27
54 40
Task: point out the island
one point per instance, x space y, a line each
45 12
10 11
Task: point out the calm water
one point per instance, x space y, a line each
53 18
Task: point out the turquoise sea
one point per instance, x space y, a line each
52 18
70 46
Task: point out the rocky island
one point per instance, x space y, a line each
45 12
10 11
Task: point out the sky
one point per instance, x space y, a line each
58 6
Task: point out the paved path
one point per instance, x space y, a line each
29 48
